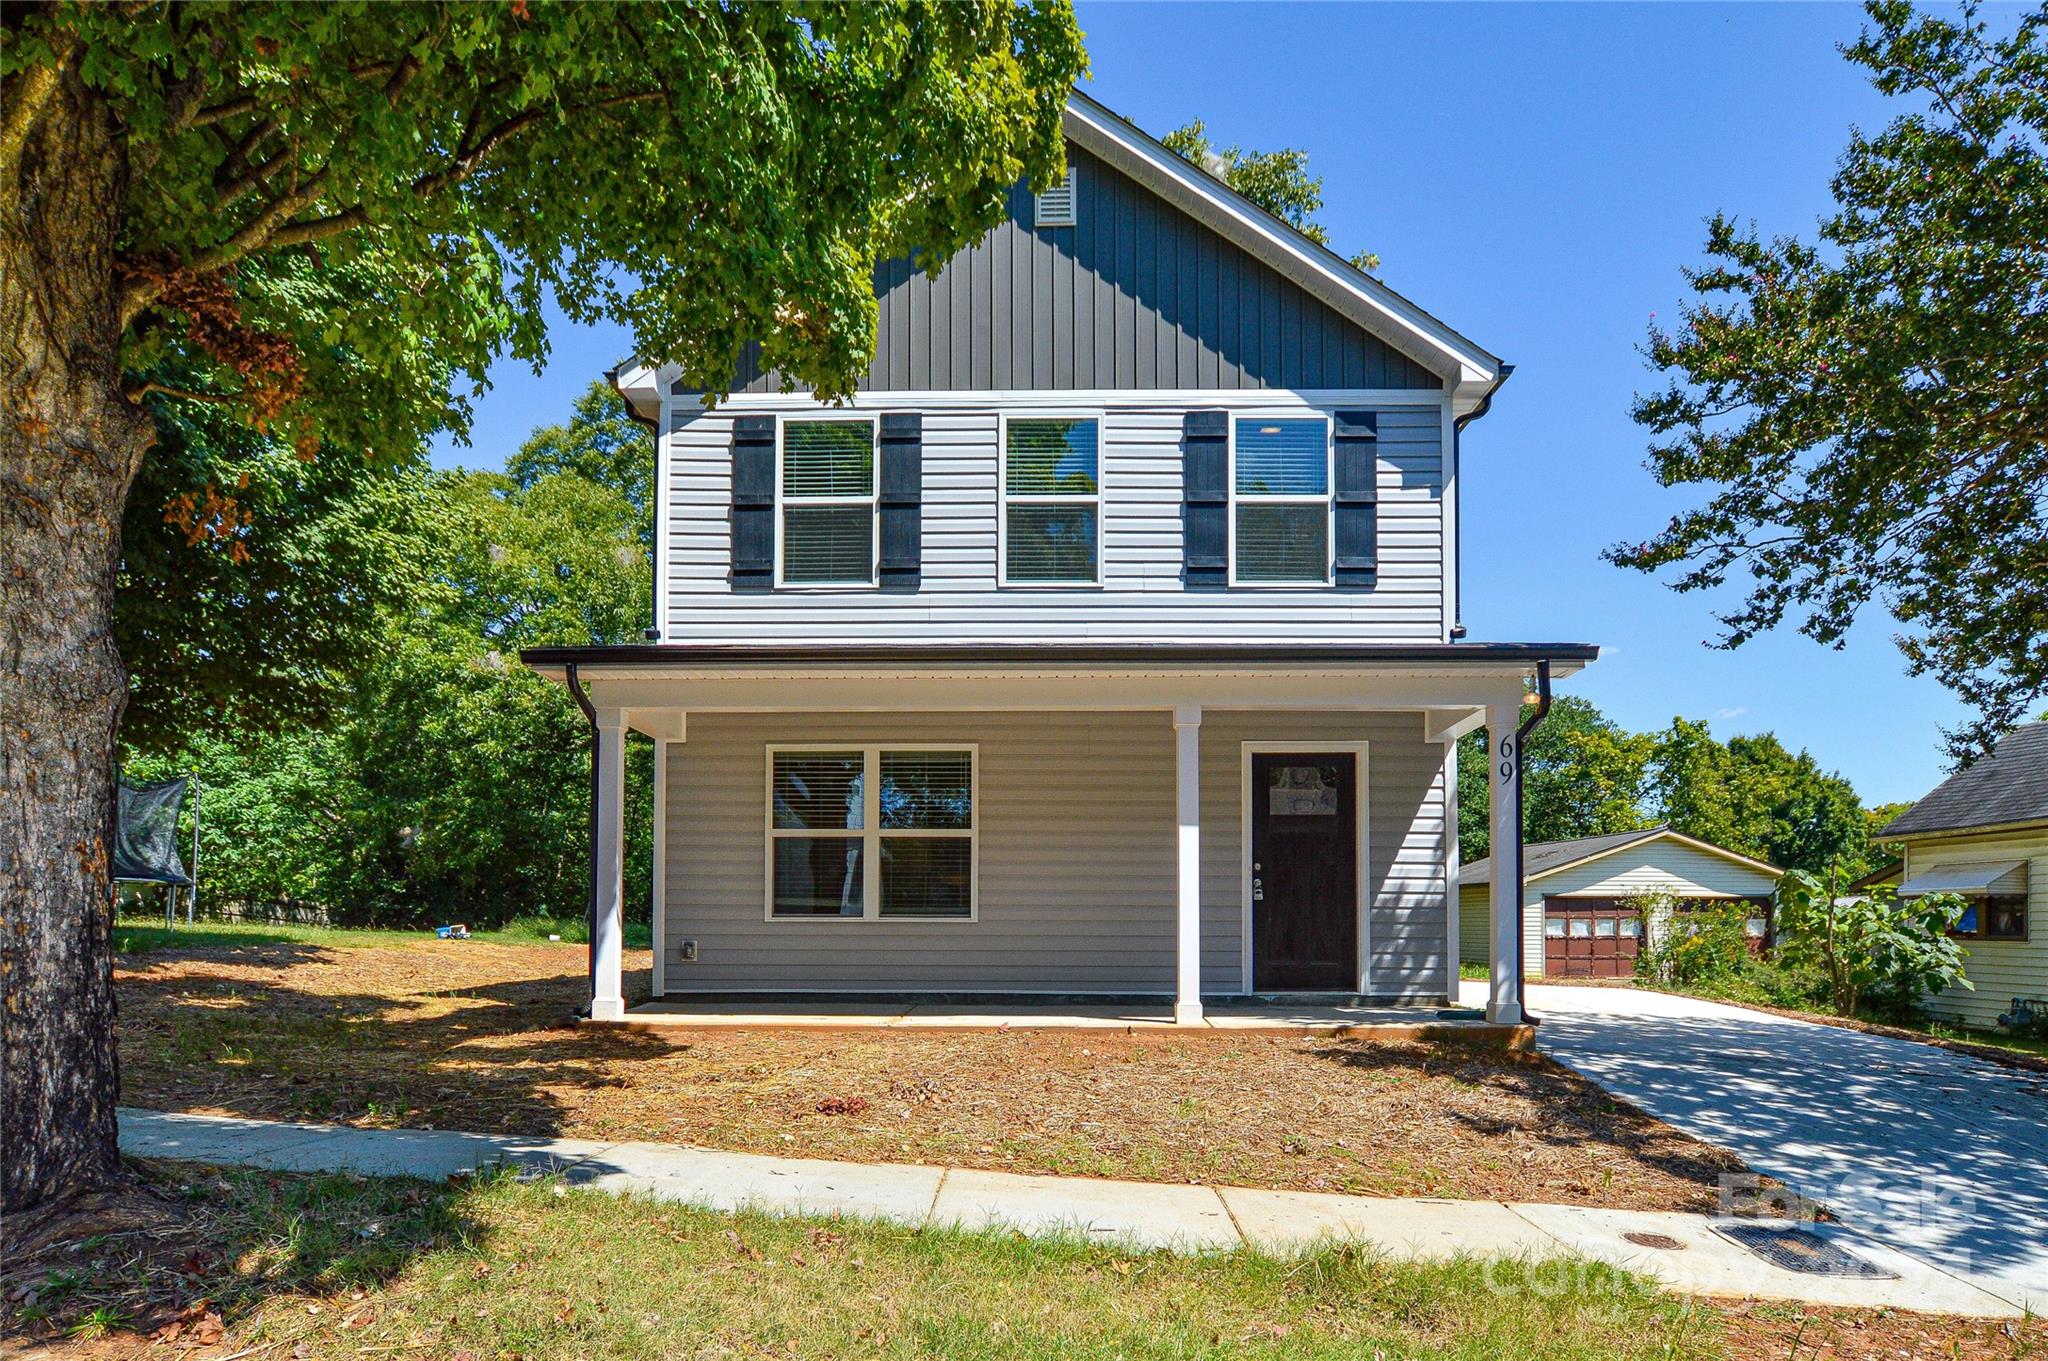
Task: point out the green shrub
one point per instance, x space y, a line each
1690 946
1877 952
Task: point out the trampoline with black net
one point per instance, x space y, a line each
146 840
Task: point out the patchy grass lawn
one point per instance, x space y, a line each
474 1035
141 935
262 1264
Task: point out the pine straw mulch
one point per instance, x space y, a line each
470 1035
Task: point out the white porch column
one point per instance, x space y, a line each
1503 1004
607 996
1187 779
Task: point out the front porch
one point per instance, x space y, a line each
1390 1024
1054 836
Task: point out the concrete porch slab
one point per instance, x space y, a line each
1391 1023
1137 1214
1288 1221
821 1015
1036 1018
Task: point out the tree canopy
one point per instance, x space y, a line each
327 219
1585 775
448 781
1869 411
1277 181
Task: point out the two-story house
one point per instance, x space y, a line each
1106 645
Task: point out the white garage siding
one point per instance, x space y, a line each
1662 865
1076 856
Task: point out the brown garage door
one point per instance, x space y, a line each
1590 938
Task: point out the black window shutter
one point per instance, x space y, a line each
1358 495
753 503
902 500
1205 500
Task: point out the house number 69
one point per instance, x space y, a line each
1507 758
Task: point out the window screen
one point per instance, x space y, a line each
828 502
1052 501
1280 486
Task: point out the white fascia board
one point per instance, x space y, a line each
639 385
1469 372
1651 835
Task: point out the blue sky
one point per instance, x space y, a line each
1536 175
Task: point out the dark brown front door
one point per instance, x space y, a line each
1590 938
1305 872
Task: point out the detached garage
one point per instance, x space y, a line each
1577 917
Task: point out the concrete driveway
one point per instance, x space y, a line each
1933 1152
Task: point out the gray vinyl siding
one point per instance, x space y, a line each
1137 294
1076 880
1141 597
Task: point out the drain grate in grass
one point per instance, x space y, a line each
1803 1251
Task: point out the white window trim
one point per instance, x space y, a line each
1328 500
871 831
1004 498
872 500
1362 752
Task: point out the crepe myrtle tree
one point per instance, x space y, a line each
175 181
1868 413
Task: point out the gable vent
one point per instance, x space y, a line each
1055 207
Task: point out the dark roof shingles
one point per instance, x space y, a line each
2010 785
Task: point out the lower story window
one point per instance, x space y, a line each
1997 917
872 832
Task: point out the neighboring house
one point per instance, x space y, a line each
1105 645
1581 917
1983 833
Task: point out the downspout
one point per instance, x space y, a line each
1521 885
1458 499
590 907
653 424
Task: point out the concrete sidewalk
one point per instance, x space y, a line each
1135 1214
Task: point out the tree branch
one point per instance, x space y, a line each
136 394
28 94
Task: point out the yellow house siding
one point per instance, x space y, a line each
2001 969
1663 865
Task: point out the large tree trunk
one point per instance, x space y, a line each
70 445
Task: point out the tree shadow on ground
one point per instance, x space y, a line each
1557 1108
182 1253
252 1032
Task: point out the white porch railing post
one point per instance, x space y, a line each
1187 775
607 995
1504 781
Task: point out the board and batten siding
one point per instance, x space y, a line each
1662 866
1141 597
1076 886
1136 294
2001 969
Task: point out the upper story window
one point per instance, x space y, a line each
1052 501
825 494
1280 501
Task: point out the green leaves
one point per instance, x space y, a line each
1868 412
1876 950
745 167
1277 181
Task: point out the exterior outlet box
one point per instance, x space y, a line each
686 953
